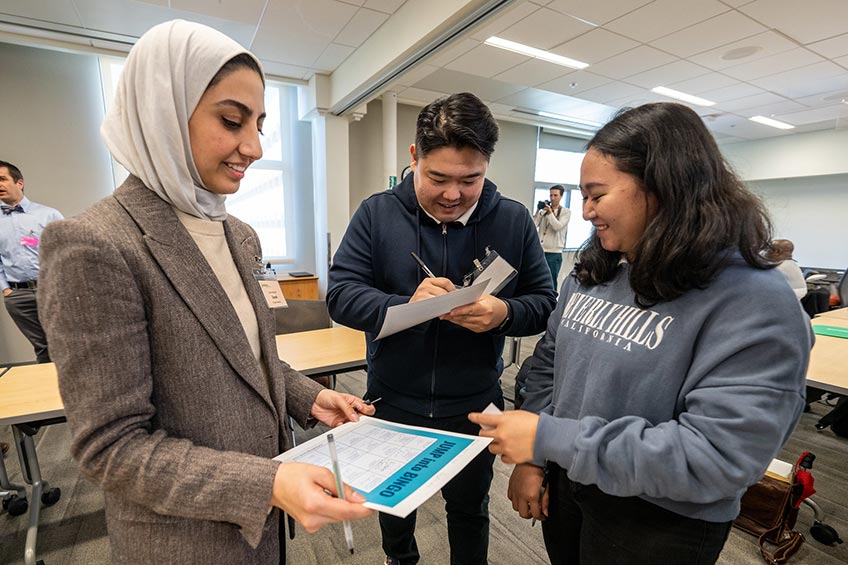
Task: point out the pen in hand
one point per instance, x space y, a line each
370 402
423 265
334 459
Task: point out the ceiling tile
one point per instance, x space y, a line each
421 95
354 2
283 70
749 102
831 48
634 100
815 115
739 126
360 27
768 43
58 11
512 15
385 6
245 11
842 61
451 52
134 18
774 64
544 29
824 98
567 106
597 12
502 109
631 62
606 93
822 18
299 37
720 30
709 81
415 74
806 81
332 57
662 17
737 3
731 92
574 83
533 72
595 46
667 74
445 80
778 108
486 61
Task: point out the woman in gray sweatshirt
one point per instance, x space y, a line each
671 371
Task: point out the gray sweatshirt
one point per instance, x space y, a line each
683 404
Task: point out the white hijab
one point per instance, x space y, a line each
146 129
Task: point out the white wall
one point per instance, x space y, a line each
52 109
512 165
813 213
803 179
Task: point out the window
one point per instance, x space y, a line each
264 199
563 167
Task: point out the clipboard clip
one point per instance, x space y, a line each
479 267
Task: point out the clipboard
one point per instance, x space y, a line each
492 267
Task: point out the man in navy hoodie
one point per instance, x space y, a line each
435 373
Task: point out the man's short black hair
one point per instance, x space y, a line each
458 121
14 172
559 188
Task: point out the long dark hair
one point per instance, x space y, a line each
704 214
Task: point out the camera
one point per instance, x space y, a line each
542 203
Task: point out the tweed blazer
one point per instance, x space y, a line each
167 407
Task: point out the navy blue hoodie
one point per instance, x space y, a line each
436 369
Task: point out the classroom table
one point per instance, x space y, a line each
838 313
323 352
828 368
30 394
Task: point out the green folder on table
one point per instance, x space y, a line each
832 331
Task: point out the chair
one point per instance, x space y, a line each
303 316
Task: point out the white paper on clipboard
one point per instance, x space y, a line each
404 316
499 273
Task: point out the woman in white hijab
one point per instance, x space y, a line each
173 391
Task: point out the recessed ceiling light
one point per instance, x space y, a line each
770 122
682 96
536 53
741 52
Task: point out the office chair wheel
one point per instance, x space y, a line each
825 534
51 496
15 505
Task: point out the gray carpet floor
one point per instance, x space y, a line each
73 532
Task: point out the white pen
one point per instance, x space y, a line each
334 459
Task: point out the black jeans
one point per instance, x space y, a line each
586 526
466 499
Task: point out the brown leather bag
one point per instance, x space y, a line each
768 512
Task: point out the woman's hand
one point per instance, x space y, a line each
525 488
513 434
299 490
335 408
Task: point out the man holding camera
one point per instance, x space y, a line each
552 222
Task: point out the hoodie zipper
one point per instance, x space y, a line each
438 326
